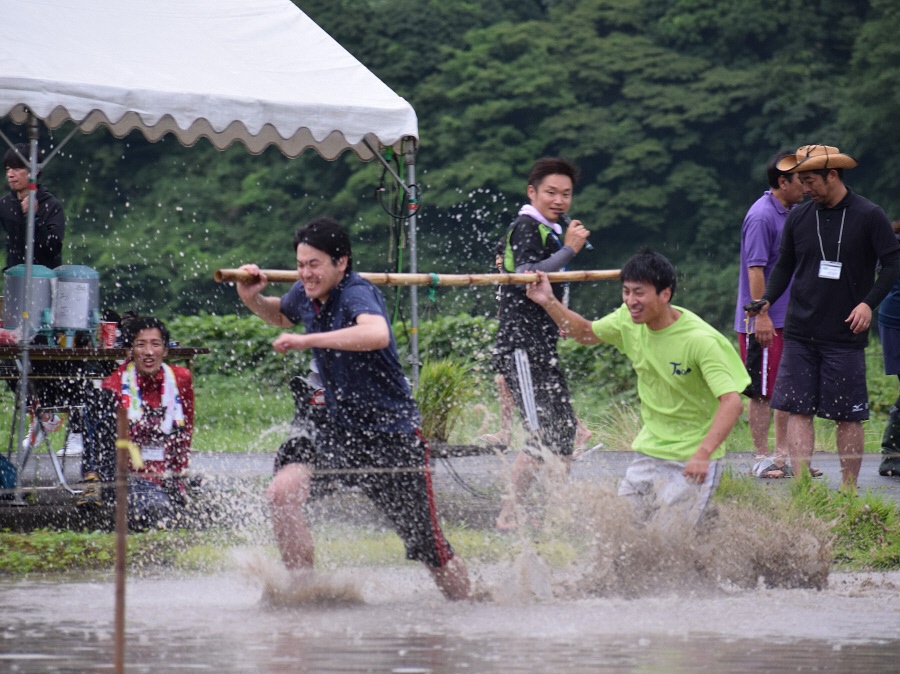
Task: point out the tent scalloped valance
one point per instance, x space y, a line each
260 73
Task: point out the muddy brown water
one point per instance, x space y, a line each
641 600
218 623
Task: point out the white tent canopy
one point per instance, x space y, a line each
258 72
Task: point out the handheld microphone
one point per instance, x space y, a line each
565 219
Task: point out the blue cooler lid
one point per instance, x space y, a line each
76 271
37 271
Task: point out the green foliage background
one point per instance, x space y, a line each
670 108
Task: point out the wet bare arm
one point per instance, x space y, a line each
570 323
764 329
370 333
729 410
267 308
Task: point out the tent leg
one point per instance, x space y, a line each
409 147
33 133
412 194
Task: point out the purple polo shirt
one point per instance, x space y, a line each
760 238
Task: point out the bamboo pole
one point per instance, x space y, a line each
379 279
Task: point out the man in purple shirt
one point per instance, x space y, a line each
761 352
831 247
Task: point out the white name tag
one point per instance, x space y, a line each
153 453
828 269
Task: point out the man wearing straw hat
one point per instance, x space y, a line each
371 439
831 246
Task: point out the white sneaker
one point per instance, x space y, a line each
39 429
34 437
74 445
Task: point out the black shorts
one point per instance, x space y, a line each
548 396
391 469
827 381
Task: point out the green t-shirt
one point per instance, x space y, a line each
682 370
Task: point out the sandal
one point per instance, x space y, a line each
766 468
814 472
494 440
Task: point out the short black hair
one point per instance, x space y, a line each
825 171
326 234
772 172
13 160
132 327
549 166
649 266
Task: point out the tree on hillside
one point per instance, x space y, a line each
869 106
670 134
670 107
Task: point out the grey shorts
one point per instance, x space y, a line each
658 488
827 381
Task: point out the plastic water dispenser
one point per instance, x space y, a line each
42 281
76 303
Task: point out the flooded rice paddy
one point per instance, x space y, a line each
219 623
739 597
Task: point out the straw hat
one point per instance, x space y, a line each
815 157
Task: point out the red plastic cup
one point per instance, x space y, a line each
108 334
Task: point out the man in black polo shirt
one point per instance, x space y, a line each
525 351
371 438
831 246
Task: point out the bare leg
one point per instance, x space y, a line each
523 472
507 408
582 434
850 444
801 439
781 432
287 494
758 416
452 579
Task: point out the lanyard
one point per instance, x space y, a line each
840 235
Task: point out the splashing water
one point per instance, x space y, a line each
732 548
285 588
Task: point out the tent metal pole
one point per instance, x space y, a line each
12 146
60 146
412 195
386 164
409 151
29 263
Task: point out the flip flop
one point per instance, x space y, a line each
579 454
767 469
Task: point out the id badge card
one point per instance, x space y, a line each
153 453
828 269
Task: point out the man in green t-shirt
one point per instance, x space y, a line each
689 382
